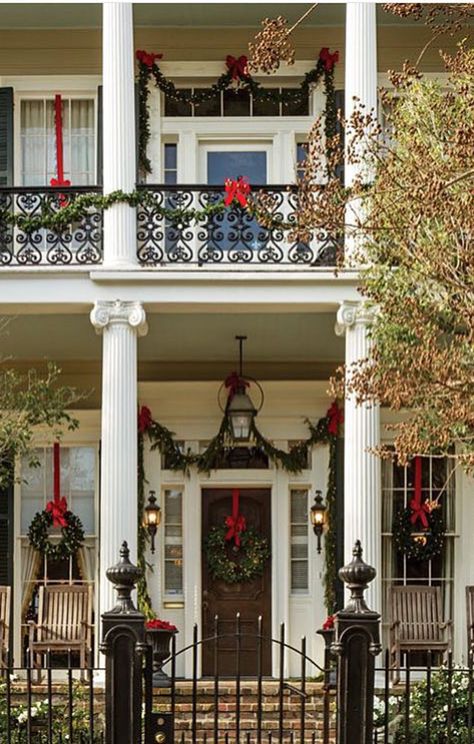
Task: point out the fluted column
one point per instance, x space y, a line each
120 323
362 473
360 90
119 150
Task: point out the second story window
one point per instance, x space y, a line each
38 141
238 103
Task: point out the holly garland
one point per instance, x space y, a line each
236 566
324 431
236 77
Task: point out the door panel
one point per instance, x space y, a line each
250 599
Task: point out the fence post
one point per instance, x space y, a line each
123 634
356 643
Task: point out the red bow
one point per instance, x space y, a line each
419 509
60 182
234 382
238 189
237 67
144 419
336 418
58 509
236 523
329 623
328 58
147 58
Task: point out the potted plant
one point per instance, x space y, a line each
159 634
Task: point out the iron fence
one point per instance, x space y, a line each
79 244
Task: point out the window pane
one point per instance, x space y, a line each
236 103
299 540
178 108
171 160
210 107
173 550
232 164
295 106
265 108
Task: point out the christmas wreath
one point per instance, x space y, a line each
72 535
233 564
419 545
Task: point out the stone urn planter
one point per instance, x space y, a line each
158 635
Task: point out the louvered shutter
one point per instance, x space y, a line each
6 136
100 140
6 536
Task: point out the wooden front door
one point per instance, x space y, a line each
250 599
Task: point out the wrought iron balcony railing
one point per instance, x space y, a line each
79 244
226 240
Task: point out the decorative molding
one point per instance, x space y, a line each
351 313
106 313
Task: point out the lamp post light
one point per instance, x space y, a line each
318 517
152 518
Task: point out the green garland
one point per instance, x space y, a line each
246 564
293 461
146 71
415 544
72 536
144 599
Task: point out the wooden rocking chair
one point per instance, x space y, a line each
64 622
417 623
4 624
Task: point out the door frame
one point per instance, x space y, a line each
225 145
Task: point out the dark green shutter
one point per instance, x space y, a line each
100 158
339 96
140 177
6 136
6 536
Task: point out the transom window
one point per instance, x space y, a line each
38 141
235 103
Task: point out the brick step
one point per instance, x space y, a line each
249 725
246 707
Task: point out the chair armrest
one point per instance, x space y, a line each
394 624
86 628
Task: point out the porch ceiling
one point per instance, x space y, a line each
88 15
282 338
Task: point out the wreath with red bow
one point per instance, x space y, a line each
72 534
415 541
236 564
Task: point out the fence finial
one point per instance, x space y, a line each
357 575
124 575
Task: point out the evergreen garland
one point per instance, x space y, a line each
325 431
144 600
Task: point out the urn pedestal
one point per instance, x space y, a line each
160 639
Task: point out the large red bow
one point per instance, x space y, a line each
237 67
236 522
144 419
147 58
235 382
418 508
335 414
328 58
238 189
58 509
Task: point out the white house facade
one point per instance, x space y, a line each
141 312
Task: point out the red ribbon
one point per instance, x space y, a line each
419 509
335 414
58 124
57 507
144 419
235 382
236 523
328 58
237 67
147 58
238 189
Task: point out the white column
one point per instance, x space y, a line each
362 472
360 87
119 149
120 323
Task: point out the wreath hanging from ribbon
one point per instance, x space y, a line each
236 553
56 515
419 529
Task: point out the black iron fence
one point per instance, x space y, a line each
349 699
230 239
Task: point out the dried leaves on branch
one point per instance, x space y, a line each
417 219
272 45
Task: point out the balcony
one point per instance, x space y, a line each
228 240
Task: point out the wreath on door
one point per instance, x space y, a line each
235 553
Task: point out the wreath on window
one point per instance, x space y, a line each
236 564
419 544
72 534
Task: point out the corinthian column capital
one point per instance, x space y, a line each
351 314
106 313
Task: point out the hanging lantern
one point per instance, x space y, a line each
152 518
318 517
239 407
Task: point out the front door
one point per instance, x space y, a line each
251 599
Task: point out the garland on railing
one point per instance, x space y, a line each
324 431
236 77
